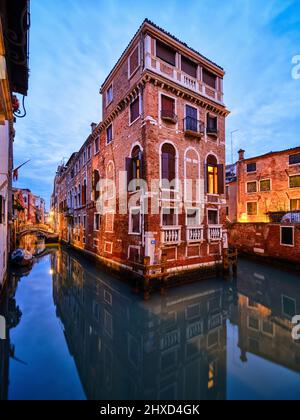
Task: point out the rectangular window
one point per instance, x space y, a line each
165 53
97 145
193 217
109 134
189 67
265 185
295 204
213 218
191 115
209 78
294 159
253 323
287 235
295 181
212 124
167 107
169 217
134 110
2 210
97 222
251 167
288 307
134 61
109 95
135 220
251 187
252 209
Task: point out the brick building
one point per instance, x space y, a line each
265 197
268 186
28 208
161 143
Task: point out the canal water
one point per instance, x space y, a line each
75 332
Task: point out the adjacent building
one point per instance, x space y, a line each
264 204
14 25
28 208
150 179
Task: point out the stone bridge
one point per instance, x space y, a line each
37 229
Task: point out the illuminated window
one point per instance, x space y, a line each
212 375
295 181
252 209
295 204
212 175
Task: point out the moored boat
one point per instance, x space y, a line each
21 258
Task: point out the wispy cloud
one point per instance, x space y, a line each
74 45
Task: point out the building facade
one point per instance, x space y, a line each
28 208
14 25
268 186
150 180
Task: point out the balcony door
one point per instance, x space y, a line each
191 118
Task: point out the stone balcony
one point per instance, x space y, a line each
214 233
194 234
171 235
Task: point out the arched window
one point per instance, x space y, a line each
168 164
215 176
84 193
79 195
136 157
96 179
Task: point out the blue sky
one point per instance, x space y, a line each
75 43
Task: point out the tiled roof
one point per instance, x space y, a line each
293 149
149 22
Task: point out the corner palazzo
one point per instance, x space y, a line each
163 119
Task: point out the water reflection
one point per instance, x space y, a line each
35 244
211 340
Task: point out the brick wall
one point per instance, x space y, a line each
264 239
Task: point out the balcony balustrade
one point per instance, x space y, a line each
195 234
214 233
171 235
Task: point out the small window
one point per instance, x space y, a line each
251 187
288 307
169 217
167 107
265 185
134 62
253 323
209 78
135 220
189 67
109 95
252 209
97 222
165 53
97 145
109 134
251 167
287 235
135 110
295 204
213 217
2 210
193 217
294 159
212 124
109 222
295 181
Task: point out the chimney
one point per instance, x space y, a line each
93 125
241 153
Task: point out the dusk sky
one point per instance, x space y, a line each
74 44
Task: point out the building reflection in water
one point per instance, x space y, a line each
267 302
170 348
173 347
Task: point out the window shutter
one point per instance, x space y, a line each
205 179
209 78
129 170
165 53
135 109
141 164
168 105
1 209
134 61
221 179
189 67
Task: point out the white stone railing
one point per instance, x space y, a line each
194 234
214 233
171 235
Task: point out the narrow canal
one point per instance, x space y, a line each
78 333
